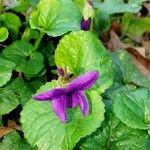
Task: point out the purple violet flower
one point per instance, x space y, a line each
85 24
70 96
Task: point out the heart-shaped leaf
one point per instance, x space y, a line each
41 125
82 51
11 21
124 68
56 17
132 107
117 136
27 61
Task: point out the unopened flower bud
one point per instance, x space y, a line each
85 24
88 14
60 71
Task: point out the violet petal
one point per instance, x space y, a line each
59 107
49 95
83 82
71 103
82 102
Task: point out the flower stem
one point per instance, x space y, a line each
38 40
91 26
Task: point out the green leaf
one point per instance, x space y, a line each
131 75
12 141
27 61
134 25
56 17
80 4
6 68
34 3
132 106
102 22
118 6
3 34
18 53
82 51
30 34
11 22
117 136
34 65
8 100
23 90
19 5
41 125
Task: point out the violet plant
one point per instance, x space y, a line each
95 100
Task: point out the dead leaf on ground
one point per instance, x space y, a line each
115 43
116 27
141 50
138 53
5 130
137 39
12 124
11 127
146 45
147 6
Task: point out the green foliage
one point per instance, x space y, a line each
30 34
82 51
131 75
6 68
26 60
3 34
80 4
55 20
118 6
33 3
23 89
135 26
11 21
37 36
43 126
8 99
102 22
132 106
34 65
117 136
12 141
